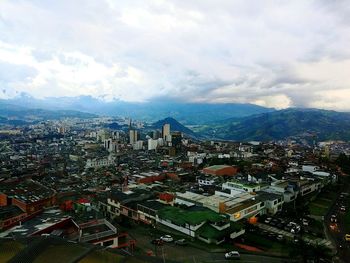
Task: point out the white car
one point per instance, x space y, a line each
305 222
232 255
268 220
167 238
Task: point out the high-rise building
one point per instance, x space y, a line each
132 136
152 144
111 145
166 132
156 135
138 145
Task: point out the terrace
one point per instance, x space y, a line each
96 230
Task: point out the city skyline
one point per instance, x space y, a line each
271 54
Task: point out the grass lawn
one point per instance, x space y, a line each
60 253
8 249
320 206
317 209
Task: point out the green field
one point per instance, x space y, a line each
320 206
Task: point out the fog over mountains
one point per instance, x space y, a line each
187 113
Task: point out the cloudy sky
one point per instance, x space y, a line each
271 53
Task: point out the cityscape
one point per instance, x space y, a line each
180 132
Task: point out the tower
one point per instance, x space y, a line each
132 136
166 131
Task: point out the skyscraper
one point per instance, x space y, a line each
166 131
132 136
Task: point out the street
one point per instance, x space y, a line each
337 230
170 251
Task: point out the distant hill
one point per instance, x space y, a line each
283 124
19 115
174 126
187 113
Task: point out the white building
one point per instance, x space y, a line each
152 144
138 145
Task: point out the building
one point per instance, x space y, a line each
207 180
10 216
241 206
28 195
138 145
111 145
103 233
198 222
152 144
166 132
132 136
221 170
95 163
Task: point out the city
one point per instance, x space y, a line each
174 131
141 192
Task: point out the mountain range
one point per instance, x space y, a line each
240 122
315 123
20 115
186 113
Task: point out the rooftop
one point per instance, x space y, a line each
27 191
217 167
9 211
42 221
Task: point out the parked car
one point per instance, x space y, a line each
295 230
157 242
347 237
334 219
280 225
232 255
295 239
167 238
181 242
305 222
268 220
280 237
272 235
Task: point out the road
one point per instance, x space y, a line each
170 251
337 231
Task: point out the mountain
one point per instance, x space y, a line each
323 124
20 115
187 113
174 126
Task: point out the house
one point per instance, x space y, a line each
10 216
29 195
197 222
124 203
221 170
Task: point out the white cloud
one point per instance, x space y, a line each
276 54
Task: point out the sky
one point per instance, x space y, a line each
271 53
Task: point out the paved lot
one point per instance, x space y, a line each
313 241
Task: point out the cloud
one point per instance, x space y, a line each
276 54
